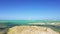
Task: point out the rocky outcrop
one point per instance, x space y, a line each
30 30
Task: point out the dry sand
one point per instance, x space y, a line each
30 30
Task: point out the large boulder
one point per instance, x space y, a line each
30 30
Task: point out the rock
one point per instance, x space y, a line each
30 30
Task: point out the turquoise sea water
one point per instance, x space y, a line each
21 21
27 21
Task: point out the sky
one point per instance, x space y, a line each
29 9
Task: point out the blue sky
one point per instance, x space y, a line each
29 9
